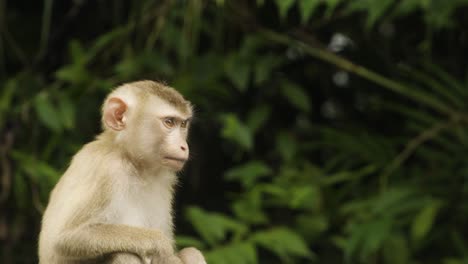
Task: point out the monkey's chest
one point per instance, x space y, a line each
146 208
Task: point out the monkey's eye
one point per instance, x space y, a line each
169 122
184 124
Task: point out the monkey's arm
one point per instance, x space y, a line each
95 240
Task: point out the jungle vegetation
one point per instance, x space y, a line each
327 131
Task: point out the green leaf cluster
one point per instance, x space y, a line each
325 131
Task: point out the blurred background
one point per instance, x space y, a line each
327 131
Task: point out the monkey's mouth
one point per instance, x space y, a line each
176 159
176 163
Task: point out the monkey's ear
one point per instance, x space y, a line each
113 114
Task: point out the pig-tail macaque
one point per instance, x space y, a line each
114 202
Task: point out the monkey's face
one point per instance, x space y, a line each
150 129
162 135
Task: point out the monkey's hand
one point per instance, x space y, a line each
168 260
191 255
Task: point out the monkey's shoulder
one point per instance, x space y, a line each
88 181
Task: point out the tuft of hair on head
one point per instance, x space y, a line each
167 93
133 92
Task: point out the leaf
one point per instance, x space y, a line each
376 234
188 241
307 8
367 238
396 243
47 112
286 146
311 226
238 70
213 227
7 94
423 98
264 66
331 5
404 8
458 242
424 220
235 130
392 203
426 118
283 242
250 45
296 96
28 163
344 176
36 169
67 112
77 52
206 226
47 173
258 116
455 85
304 197
129 65
392 199
6 98
273 189
249 208
20 190
73 73
234 253
284 6
249 173
107 39
438 14
453 261
440 89
374 9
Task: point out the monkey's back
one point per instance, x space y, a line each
75 200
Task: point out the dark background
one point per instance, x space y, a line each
330 131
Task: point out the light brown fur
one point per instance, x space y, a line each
166 93
114 202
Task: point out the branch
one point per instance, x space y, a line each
327 56
413 144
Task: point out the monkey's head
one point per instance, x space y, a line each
149 122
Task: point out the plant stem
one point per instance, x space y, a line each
363 72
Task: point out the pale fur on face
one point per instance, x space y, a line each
147 103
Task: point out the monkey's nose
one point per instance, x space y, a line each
184 147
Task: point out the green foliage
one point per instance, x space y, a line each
48 114
236 131
294 160
296 96
233 253
213 227
248 174
284 6
424 221
437 14
283 242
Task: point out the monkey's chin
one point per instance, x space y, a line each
174 163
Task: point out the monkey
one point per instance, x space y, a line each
113 204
